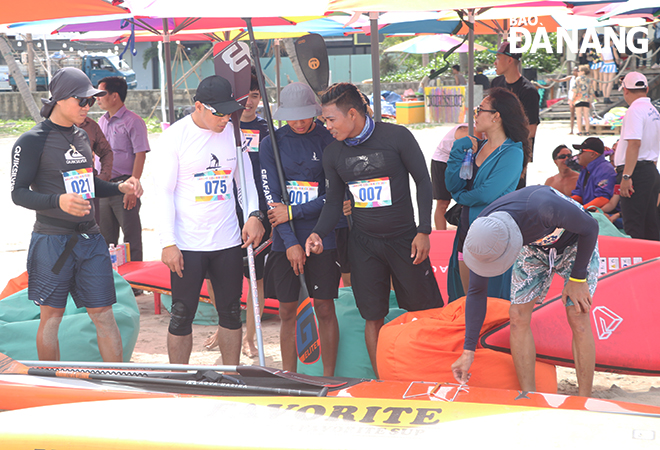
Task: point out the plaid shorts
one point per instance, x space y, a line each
532 272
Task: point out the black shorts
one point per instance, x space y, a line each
321 277
582 105
341 235
374 261
440 191
224 268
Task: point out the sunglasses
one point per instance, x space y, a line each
213 111
85 101
479 109
564 156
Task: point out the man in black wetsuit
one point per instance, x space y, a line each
375 161
538 231
52 174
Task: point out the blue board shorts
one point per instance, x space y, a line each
87 273
533 273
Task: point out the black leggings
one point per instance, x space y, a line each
225 270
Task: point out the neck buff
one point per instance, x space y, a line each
364 134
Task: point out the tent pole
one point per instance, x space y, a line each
168 72
470 74
278 81
375 65
161 67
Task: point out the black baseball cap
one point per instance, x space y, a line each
593 144
68 82
505 49
216 92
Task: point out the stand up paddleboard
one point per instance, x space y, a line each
624 320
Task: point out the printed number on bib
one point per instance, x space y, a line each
373 193
213 186
302 191
79 181
251 140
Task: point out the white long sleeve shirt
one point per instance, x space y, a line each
195 169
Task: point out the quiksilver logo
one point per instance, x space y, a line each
73 156
14 165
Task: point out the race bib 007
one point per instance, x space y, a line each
302 191
79 181
213 186
374 193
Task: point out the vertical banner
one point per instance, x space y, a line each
445 104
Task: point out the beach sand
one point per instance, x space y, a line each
151 345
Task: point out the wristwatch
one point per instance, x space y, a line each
258 214
625 176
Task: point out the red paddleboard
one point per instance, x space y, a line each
624 316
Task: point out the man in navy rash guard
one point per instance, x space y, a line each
538 231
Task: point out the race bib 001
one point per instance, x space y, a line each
251 140
79 181
374 193
302 191
213 186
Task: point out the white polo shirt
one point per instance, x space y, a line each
194 190
642 121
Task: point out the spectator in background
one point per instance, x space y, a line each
507 66
566 179
595 185
496 166
608 70
459 79
481 79
127 134
655 45
101 150
439 159
583 95
636 160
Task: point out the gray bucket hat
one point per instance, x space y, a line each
492 244
68 82
297 102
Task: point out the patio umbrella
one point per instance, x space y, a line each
16 11
432 43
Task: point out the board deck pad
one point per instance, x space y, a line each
624 316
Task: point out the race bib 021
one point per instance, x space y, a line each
213 186
79 181
302 191
374 193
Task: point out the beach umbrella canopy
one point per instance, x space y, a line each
33 10
432 43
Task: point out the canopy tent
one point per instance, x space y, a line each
432 43
16 11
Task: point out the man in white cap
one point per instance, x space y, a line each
636 160
198 223
538 231
52 174
301 142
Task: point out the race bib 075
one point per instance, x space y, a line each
79 181
213 186
374 193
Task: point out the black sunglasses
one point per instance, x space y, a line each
479 109
213 111
84 101
564 156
